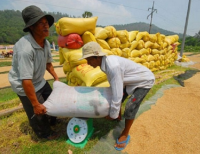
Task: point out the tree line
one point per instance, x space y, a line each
12 24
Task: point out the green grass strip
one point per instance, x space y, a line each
5 63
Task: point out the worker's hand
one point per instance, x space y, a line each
108 118
39 109
56 79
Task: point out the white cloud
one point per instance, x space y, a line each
170 15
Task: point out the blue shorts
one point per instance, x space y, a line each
134 102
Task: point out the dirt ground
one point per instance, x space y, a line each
172 125
169 127
4 76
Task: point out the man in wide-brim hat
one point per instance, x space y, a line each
31 58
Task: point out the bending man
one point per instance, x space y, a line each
126 78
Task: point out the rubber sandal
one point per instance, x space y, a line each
126 141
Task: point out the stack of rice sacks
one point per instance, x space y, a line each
155 51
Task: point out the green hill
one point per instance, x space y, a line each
11 25
141 26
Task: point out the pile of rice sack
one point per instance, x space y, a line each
155 51
184 59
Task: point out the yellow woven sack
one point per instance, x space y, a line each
155 51
153 38
154 69
145 38
156 56
132 35
162 62
144 51
170 52
170 40
165 44
88 37
101 33
162 37
151 64
140 44
159 39
176 37
103 44
99 80
170 47
79 82
185 59
157 63
126 52
140 35
114 42
167 61
116 51
88 74
144 57
108 52
163 52
102 84
123 36
173 55
125 45
61 58
150 58
146 64
131 58
134 44
162 67
148 44
67 75
139 60
112 30
75 82
72 57
135 53
66 25
66 67
155 46
177 44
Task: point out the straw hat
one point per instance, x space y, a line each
91 49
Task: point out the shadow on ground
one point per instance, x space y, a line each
188 74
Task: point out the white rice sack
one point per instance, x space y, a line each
68 101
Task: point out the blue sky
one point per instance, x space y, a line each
171 14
